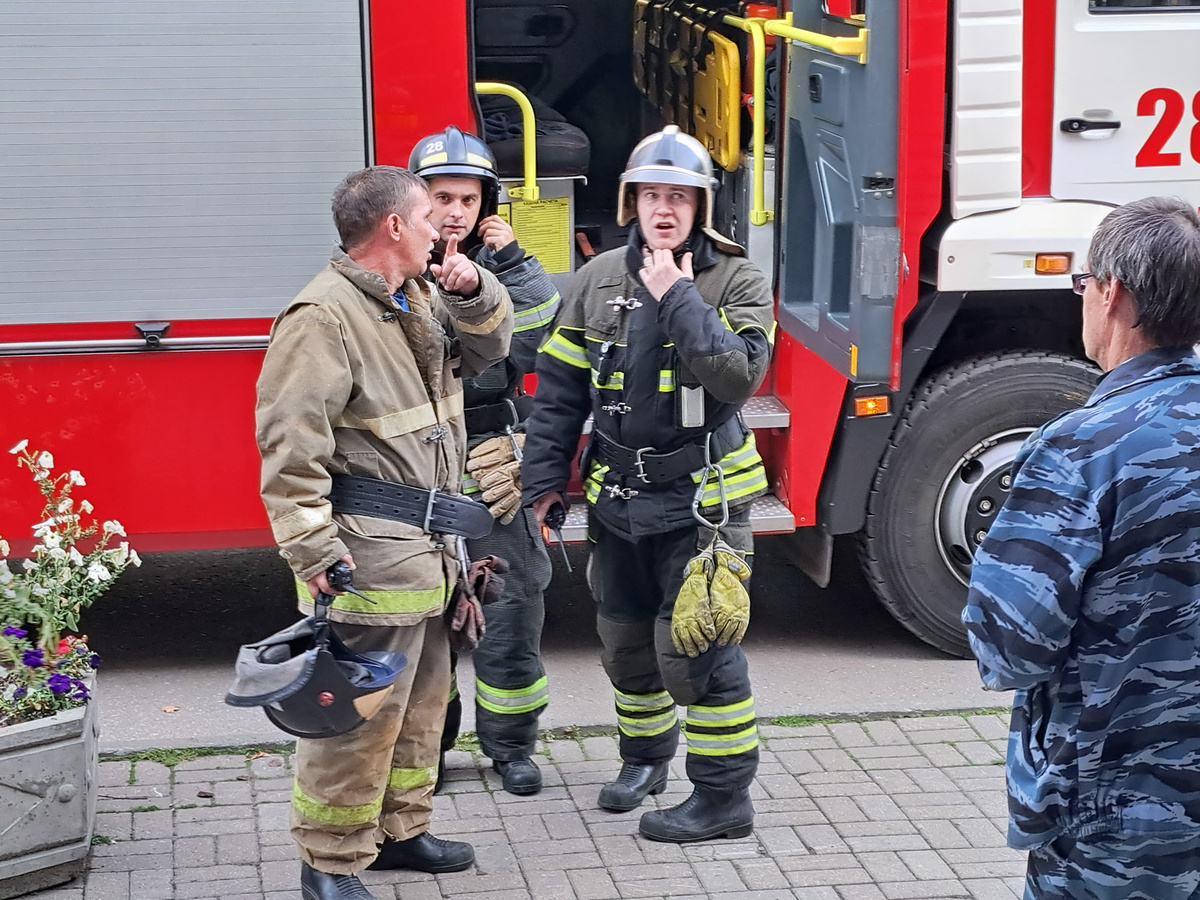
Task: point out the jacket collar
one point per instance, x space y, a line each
370 283
1153 365
704 254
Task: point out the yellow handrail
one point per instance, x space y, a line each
842 46
530 191
759 214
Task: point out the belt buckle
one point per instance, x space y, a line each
620 492
639 464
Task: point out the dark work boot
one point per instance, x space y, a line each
316 885
634 782
441 776
424 853
519 776
705 815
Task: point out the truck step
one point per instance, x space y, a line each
768 515
763 411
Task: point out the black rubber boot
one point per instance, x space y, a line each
424 853
441 775
316 885
705 815
519 776
634 782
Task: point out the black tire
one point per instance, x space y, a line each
944 476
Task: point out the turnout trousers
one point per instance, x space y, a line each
510 682
635 584
352 791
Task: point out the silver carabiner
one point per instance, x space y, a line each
710 468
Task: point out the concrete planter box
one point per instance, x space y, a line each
48 788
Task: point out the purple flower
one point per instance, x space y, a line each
81 691
32 658
13 631
59 683
94 660
20 692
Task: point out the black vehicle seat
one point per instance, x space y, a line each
562 148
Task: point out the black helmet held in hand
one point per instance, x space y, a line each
458 153
309 683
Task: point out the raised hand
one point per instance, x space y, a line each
660 271
495 232
456 274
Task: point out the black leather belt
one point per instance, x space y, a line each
495 417
647 466
433 511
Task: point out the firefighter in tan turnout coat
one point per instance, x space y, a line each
362 377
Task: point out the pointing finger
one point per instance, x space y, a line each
451 246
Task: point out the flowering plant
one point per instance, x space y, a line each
41 670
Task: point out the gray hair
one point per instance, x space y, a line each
366 197
1152 246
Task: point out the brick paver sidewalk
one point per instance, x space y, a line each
892 808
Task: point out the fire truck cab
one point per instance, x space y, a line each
918 178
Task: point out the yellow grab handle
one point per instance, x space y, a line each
759 214
530 191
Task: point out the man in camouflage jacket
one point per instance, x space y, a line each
1085 595
362 377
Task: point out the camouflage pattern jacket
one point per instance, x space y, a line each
1085 598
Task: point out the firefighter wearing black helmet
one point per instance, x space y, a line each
662 341
510 681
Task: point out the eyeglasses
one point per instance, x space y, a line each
1077 281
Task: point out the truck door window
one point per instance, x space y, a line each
1131 6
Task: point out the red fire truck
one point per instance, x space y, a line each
919 178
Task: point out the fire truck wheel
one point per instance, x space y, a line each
945 475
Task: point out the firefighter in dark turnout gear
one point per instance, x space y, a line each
662 342
510 682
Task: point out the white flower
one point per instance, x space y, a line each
6 577
38 591
97 572
29 565
58 553
20 446
119 555
4 548
112 526
135 559
41 529
84 506
65 504
45 460
75 478
76 556
52 540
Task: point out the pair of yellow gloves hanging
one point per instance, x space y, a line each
713 604
494 464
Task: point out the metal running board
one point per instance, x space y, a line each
759 412
768 515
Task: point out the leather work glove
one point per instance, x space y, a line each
464 615
728 595
494 452
691 621
502 491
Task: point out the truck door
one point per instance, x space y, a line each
839 257
1126 100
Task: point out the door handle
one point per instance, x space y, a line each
1078 126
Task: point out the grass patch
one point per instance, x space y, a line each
837 719
174 756
144 809
101 839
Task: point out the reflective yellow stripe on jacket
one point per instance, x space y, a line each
564 349
744 471
386 602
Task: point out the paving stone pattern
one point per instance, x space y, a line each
875 810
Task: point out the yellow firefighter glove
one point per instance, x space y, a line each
728 595
501 488
492 453
691 621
